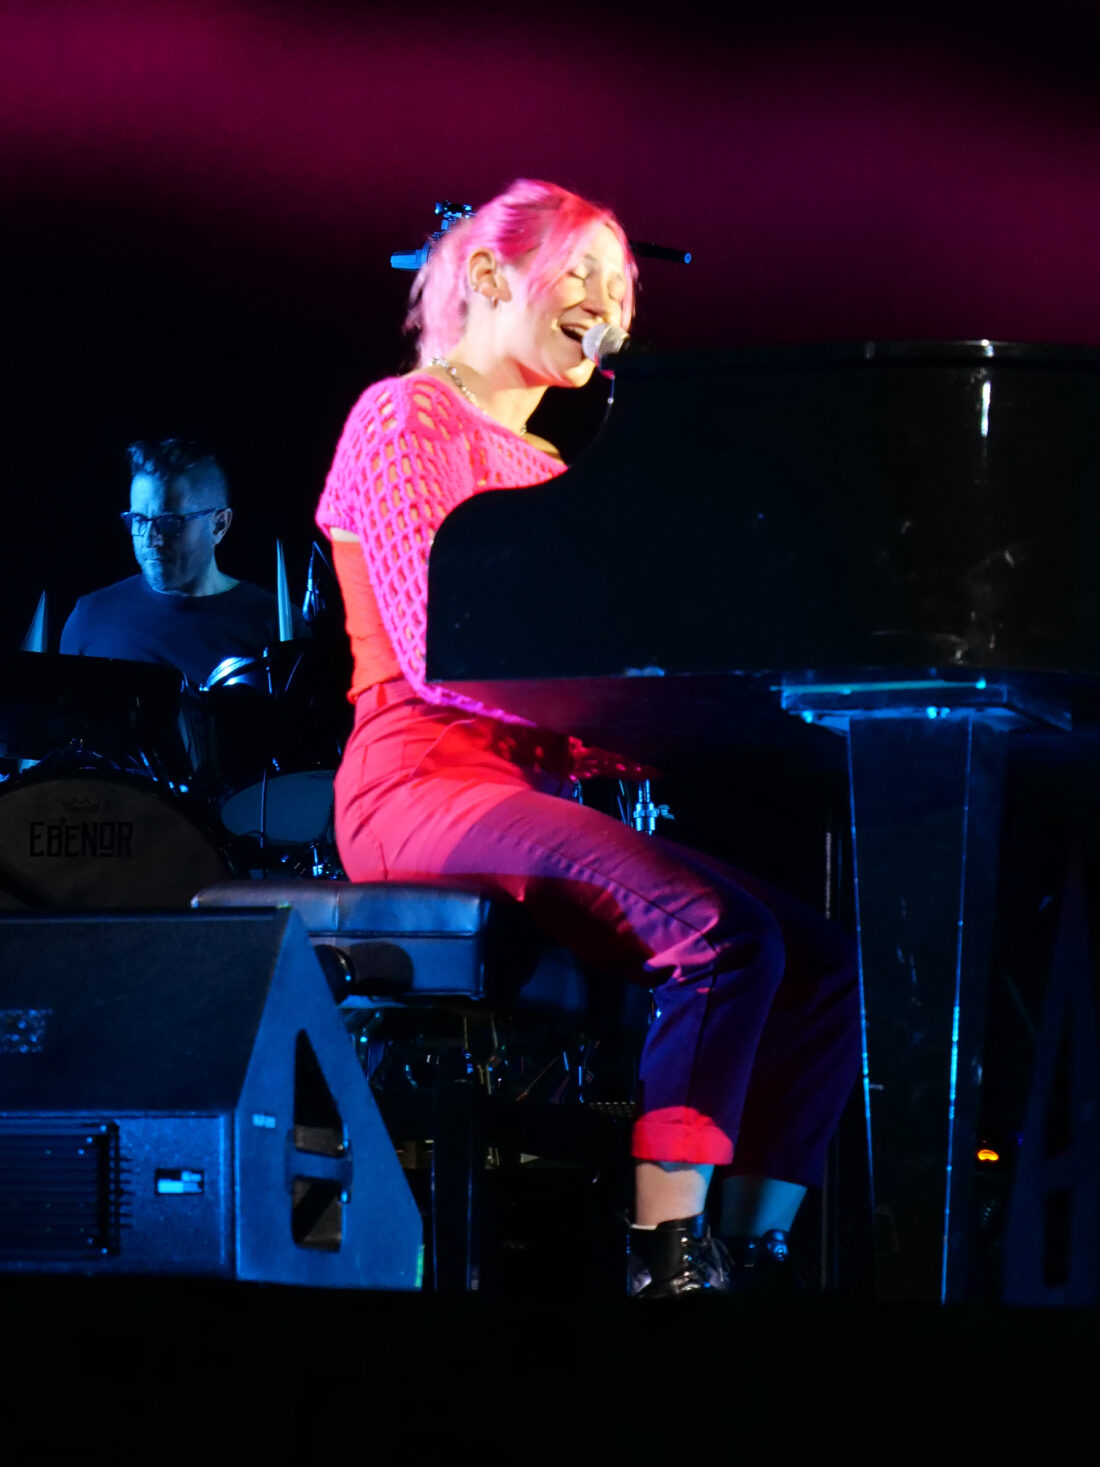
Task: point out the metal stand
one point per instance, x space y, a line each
925 809
925 790
643 813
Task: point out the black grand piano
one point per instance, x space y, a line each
897 544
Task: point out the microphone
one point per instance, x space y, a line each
311 600
643 250
602 343
315 603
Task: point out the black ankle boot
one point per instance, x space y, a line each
770 1250
773 1249
674 1258
762 1263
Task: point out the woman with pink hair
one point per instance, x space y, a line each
753 1047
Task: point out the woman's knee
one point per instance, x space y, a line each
762 930
741 933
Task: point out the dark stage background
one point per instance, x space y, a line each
199 201
199 198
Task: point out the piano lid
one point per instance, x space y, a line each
880 505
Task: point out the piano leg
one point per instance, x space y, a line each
925 801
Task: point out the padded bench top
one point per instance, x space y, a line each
363 909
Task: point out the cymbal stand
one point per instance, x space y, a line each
643 813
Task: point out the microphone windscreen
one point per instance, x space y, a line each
603 341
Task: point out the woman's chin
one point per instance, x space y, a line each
578 375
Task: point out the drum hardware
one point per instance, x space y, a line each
639 810
323 866
249 672
317 862
271 758
74 757
136 715
77 758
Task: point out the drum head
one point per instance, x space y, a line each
286 809
275 726
97 840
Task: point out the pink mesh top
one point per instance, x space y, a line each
410 451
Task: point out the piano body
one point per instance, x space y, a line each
897 544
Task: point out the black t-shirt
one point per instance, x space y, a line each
192 633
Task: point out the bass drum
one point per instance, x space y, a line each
98 840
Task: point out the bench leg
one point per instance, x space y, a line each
458 1159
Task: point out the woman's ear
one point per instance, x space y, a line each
486 277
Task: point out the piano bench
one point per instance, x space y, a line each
400 943
463 991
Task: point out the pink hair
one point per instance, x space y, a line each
528 215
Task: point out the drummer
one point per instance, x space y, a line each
182 609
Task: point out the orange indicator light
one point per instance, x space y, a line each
985 1154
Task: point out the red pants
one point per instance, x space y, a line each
754 1046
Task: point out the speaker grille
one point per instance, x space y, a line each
60 1189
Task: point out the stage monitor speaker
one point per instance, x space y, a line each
178 1095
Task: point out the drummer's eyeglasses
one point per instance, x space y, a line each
167 525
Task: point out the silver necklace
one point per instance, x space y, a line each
452 372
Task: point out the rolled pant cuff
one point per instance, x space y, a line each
682 1135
